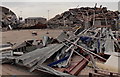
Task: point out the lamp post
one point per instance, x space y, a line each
48 14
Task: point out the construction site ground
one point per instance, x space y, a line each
16 36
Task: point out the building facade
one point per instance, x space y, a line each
32 21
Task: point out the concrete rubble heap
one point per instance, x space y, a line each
8 18
84 16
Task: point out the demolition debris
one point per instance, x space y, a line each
93 46
85 17
69 53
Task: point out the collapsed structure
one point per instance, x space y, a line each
95 48
70 53
85 16
8 18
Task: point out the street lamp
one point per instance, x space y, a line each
48 14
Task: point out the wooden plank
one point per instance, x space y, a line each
79 66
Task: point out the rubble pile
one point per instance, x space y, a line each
69 53
96 47
84 16
8 19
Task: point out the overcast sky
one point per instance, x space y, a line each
39 8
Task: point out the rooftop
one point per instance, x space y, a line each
35 18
